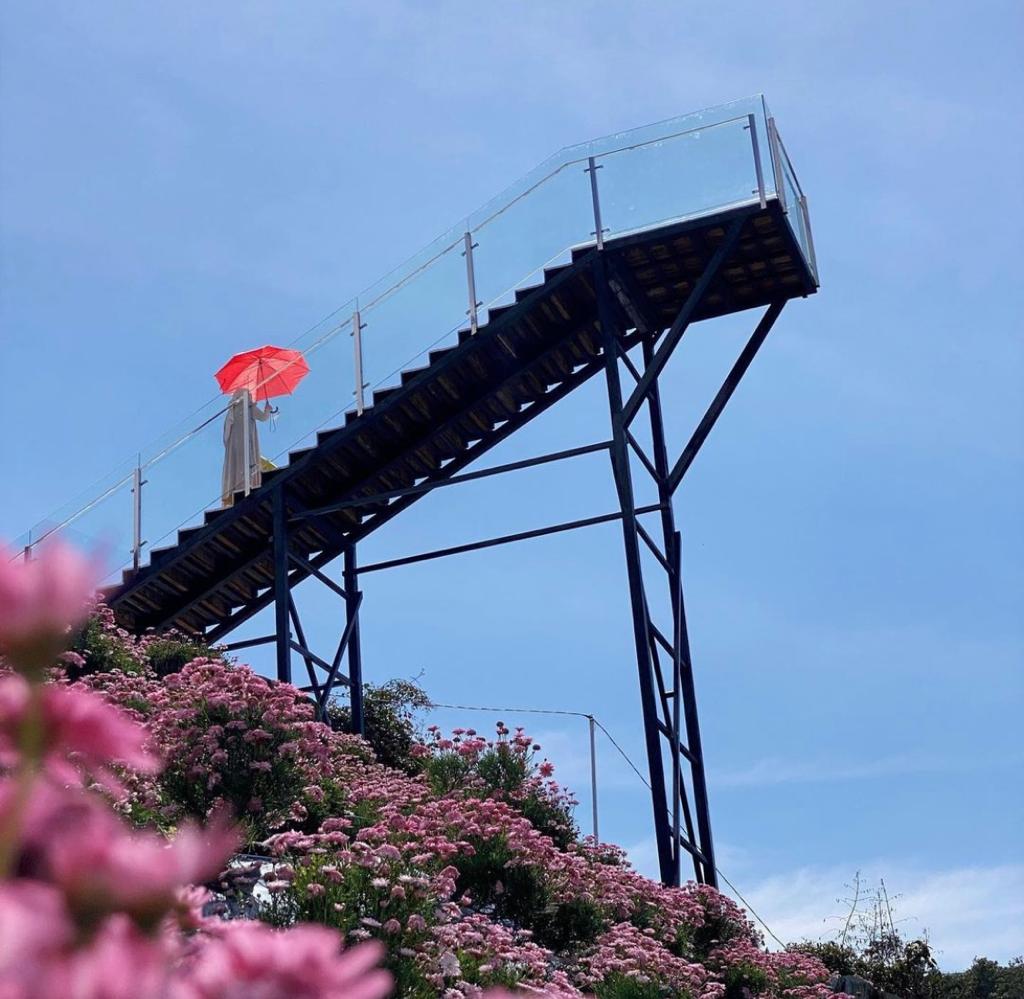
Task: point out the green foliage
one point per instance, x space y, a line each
447 772
837 957
744 980
502 770
871 947
716 930
105 648
103 651
552 818
985 979
346 898
168 654
569 926
388 717
627 987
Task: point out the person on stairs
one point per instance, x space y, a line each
236 427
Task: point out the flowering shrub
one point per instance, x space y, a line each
501 767
389 711
464 875
89 907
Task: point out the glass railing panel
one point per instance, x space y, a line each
795 205
183 480
514 245
98 520
693 121
417 308
666 180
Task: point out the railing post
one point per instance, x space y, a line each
593 776
592 169
471 281
137 514
752 125
357 350
773 148
810 238
246 441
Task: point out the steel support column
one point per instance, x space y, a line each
355 659
282 629
684 695
641 632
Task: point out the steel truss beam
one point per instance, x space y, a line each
669 708
290 636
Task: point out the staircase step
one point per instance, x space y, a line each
437 355
499 311
408 376
294 456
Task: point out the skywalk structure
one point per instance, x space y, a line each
658 229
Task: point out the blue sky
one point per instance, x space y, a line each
181 181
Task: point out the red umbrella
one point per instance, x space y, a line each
266 372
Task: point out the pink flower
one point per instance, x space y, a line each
71 722
33 927
251 960
102 867
120 962
40 601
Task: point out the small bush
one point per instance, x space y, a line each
388 718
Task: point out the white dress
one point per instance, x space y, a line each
233 476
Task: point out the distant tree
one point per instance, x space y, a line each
389 712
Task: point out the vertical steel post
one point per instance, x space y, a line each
470 281
246 440
27 553
282 624
137 514
593 776
683 693
752 125
677 669
592 169
773 148
810 238
357 350
693 742
641 625
355 659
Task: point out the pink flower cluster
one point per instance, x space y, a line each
90 908
629 952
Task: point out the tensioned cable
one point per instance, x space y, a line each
510 711
625 756
718 870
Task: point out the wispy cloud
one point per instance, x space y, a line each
966 912
771 770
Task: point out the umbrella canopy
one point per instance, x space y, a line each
266 372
